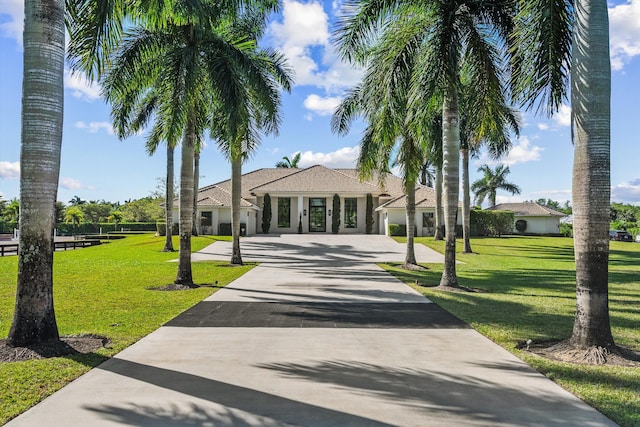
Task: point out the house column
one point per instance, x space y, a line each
300 209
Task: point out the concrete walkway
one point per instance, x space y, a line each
316 335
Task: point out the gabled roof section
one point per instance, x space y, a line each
526 209
425 198
318 179
216 196
256 178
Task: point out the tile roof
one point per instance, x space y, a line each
215 195
256 178
526 209
317 179
425 198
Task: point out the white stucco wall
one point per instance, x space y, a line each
541 225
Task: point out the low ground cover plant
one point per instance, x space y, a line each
526 291
102 290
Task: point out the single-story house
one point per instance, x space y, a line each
540 219
306 196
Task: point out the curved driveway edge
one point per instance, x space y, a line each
316 335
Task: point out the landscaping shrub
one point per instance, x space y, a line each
521 225
491 223
266 214
369 214
566 230
161 229
225 229
397 230
335 214
89 228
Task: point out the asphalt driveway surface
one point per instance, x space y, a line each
316 335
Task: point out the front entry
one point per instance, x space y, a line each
318 215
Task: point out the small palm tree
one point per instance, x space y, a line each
492 181
289 163
73 215
116 217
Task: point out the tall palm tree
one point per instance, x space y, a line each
492 181
491 125
34 318
381 99
437 38
552 38
261 115
196 62
291 163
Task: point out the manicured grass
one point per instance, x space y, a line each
530 284
102 290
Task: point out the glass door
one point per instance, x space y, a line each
317 215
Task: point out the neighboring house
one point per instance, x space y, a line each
540 219
306 196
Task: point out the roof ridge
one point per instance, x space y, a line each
282 177
355 179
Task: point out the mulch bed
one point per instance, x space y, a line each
67 346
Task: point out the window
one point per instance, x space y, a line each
206 219
351 213
284 212
427 219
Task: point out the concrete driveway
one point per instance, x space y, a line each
316 335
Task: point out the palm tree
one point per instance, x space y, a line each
437 38
545 34
260 102
492 181
289 163
381 100
196 63
34 318
490 125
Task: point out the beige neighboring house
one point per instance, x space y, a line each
540 219
306 196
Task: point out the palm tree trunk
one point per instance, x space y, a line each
168 242
236 189
590 99
185 276
34 319
466 201
410 191
451 172
439 214
196 183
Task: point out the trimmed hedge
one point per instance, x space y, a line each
87 228
225 229
491 223
521 225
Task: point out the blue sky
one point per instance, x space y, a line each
97 165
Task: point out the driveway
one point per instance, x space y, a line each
316 335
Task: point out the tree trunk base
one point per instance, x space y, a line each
412 266
566 351
168 250
453 288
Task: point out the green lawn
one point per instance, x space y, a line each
102 290
530 284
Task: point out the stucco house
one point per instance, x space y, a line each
540 219
306 196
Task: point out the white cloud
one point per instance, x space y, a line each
322 106
9 170
80 86
543 126
303 36
94 127
73 184
12 19
522 152
626 192
563 116
343 158
624 30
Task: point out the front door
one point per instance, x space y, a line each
317 215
